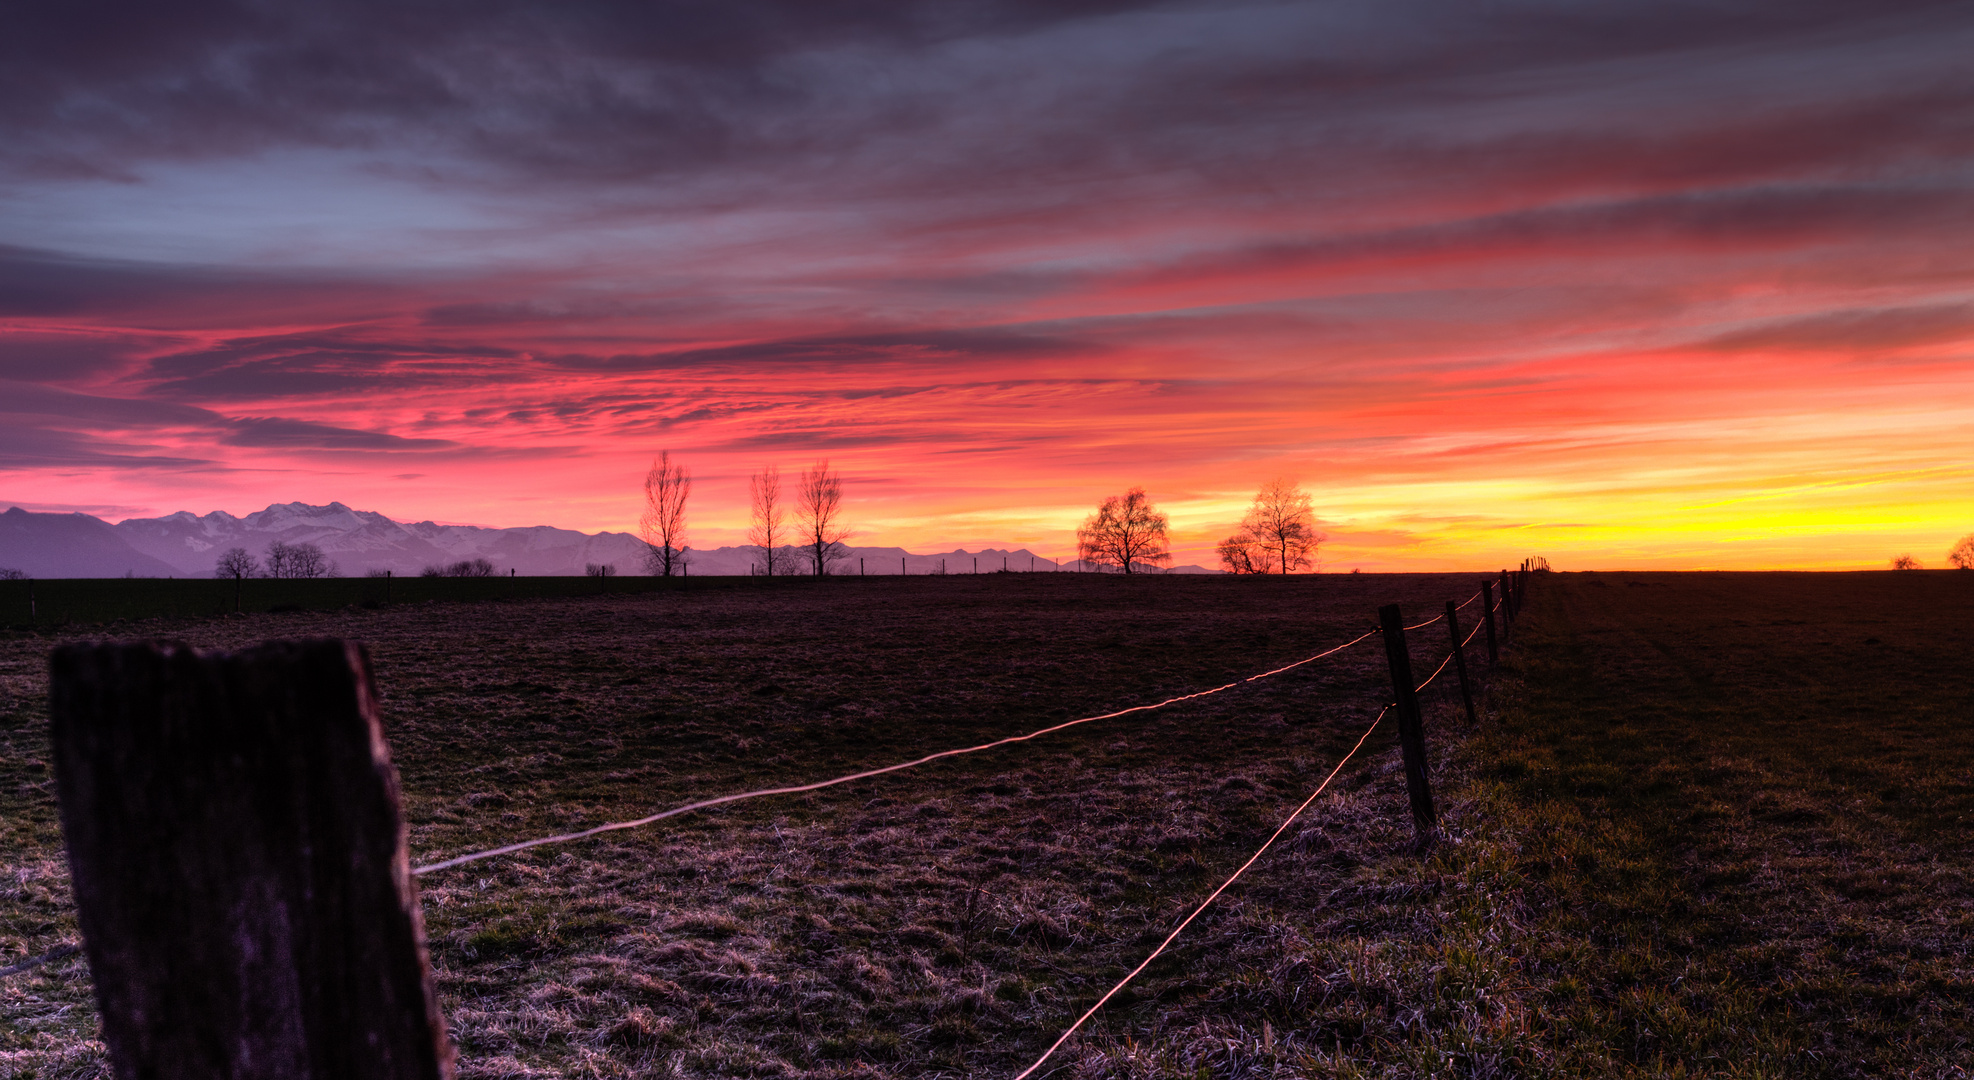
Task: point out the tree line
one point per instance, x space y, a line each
802 534
1960 557
283 560
1278 534
806 534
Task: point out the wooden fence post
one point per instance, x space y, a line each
1487 602
1460 659
1507 604
238 863
1411 731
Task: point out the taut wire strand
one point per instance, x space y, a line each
36 961
795 789
1435 674
1176 931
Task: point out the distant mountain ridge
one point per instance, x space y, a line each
360 541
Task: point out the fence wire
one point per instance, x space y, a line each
36 961
1208 902
795 789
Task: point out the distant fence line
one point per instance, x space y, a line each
195 855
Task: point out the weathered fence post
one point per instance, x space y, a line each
238 864
1411 730
1487 604
1460 658
1507 604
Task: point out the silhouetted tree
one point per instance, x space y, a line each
1962 555
1282 520
236 563
8 573
1243 554
1905 562
462 568
666 487
1125 532
297 561
599 570
764 491
819 516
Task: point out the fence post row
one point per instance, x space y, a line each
238 862
1411 732
1460 659
1487 612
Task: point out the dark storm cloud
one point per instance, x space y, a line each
59 358
36 448
40 283
311 365
301 434
43 284
23 400
946 438
1856 331
982 345
1732 220
612 91
88 84
60 418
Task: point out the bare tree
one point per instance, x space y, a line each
599 570
663 525
298 561
1241 553
1962 555
764 489
1283 520
236 563
820 516
277 559
1125 532
1906 562
462 568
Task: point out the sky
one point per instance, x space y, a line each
1626 285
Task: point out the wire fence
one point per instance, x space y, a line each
1505 605
795 789
1208 902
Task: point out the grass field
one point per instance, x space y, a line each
1714 826
58 604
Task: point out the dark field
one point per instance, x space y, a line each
949 919
59 604
1715 826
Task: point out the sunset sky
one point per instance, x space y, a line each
1652 285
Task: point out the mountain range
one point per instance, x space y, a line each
363 541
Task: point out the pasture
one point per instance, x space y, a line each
1714 824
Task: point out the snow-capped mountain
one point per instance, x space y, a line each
361 541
